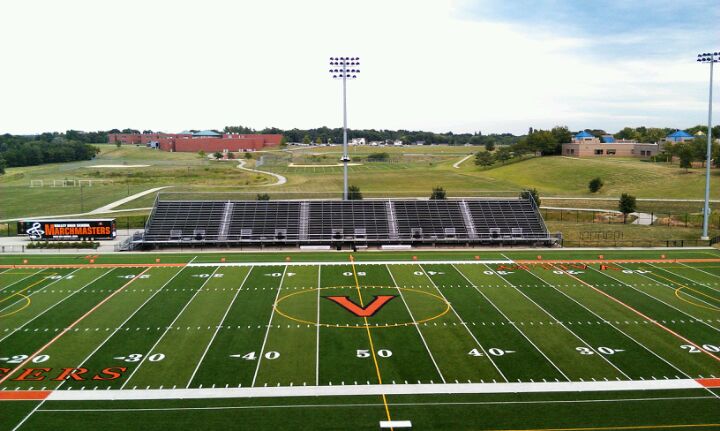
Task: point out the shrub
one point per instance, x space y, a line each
438 193
595 185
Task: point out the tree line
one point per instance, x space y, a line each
45 148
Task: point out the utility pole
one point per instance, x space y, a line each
345 73
712 58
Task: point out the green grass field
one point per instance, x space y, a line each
487 340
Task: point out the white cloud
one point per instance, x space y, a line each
174 65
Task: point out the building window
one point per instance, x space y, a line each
598 152
611 152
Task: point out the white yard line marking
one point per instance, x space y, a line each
374 389
513 323
615 327
177 316
21 280
21 299
217 329
586 344
55 304
269 325
703 271
485 353
417 326
317 331
660 300
685 278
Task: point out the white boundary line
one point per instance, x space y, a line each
374 389
586 344
217 328
511 322
466 327
370 262
269 325
417 326
704 272
177 316
12 304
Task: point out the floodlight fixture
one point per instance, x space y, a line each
344 68
712 58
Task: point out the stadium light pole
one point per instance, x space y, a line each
712 58
344 70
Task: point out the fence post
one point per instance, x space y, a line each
577 216
652 218
593 219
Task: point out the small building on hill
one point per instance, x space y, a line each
585 144
678 136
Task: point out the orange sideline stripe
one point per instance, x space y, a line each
23 395
709 383
561 261
98 265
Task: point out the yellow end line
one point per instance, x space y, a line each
19 292
372 346
629 427
682 286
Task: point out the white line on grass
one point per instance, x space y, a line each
267 331
142 361
217 329
660 300
612 325
364 405
564 326
466 328
512 323
317 330
55 304
369 262
417 326
704 272
21 299
686 278
22 279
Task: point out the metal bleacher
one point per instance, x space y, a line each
337 223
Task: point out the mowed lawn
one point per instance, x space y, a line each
450 320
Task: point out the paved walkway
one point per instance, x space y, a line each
113 205
280 179
456 165
643 219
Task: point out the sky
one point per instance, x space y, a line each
440 65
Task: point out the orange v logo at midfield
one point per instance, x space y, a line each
369 310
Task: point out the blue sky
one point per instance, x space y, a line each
441 65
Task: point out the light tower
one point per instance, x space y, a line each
344 69
712 58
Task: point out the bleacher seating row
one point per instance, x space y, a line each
378 222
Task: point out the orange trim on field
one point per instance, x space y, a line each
99 265
561 261
709 383
23 395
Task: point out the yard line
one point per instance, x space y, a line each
370 339
142 361
317 335
649 319
660 300
72 325
22 279
30 287
217 329
688 287
466 327
52 306
417 326
511 322
267 331
616 328
705 272
564 326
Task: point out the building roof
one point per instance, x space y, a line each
608 139
206 133
679 134
584 134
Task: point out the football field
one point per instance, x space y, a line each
490 340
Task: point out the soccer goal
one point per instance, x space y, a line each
37 183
